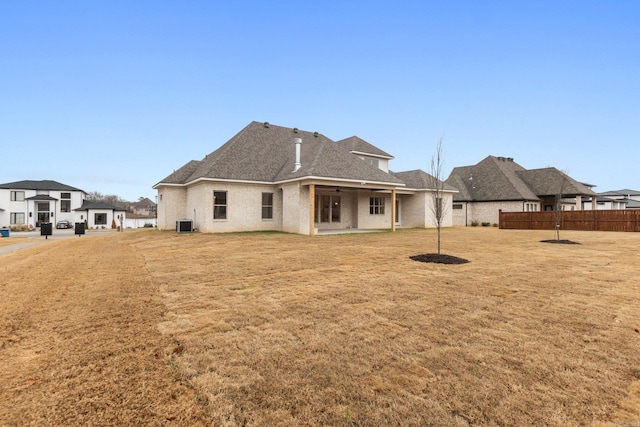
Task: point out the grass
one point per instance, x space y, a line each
278 329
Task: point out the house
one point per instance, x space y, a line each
499 183
144 207
631 198
605 203
30 203
100 215
270 177
141 214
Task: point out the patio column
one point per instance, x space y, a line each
393 210
312 208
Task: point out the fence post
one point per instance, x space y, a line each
530 220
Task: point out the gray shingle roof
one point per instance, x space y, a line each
420 180
359 145
266 153
502 179
42 197
98 205
623 192
181 175
550 181
38 185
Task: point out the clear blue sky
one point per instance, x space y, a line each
112 96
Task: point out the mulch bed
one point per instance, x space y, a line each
562 242
439 259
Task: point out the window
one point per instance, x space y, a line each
376 205
17 218
100 219
65 202
17 196
457 206
219 205
267 205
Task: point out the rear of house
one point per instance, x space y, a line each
276 178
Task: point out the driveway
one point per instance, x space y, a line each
35 238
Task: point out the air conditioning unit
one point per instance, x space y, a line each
184 226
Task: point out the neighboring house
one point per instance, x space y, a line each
31 203
605 203
631 198
276 178
142 214
100 215
144 207
499 183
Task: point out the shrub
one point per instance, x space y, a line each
495 224
475 223
486 224
148 225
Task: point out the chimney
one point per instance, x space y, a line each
298 142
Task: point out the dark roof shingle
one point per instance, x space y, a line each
421 180
266 153
359 145
39 185
502 179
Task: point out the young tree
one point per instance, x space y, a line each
438 208
561 187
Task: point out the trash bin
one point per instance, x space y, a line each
79 228
4 232
46 229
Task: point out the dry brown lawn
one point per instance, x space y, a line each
156 328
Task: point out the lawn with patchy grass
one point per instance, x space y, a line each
279 329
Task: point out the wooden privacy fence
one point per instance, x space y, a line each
605 220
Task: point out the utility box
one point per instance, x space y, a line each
79 228
184 226
46 229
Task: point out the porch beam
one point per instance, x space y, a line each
312 208
393 210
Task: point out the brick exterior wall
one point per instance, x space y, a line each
483 211
290 208
416 210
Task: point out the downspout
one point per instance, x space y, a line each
466 214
